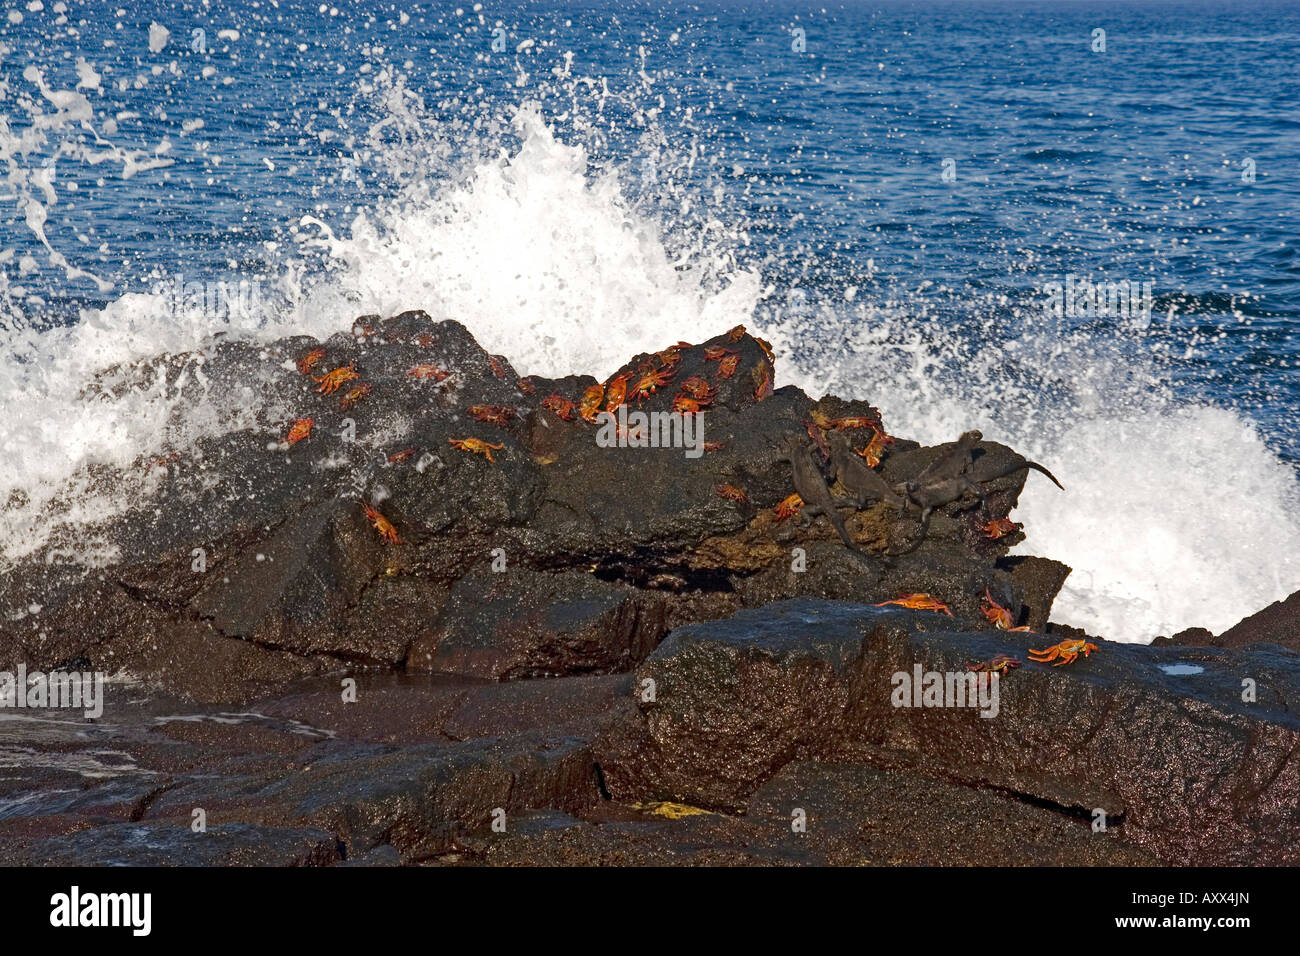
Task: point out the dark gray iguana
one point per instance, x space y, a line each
949 477
810 484
853 473
949 465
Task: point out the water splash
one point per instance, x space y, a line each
544 234
543 261
1174 515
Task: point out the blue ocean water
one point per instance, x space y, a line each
890 191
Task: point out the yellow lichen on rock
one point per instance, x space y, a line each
670 810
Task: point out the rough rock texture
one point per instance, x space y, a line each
411 768
854 816
152 844
1279 623
1180 762
531 624
250 561
371 647
768 738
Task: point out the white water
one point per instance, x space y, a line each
542 263
1173 516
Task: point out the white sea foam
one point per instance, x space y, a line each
1179 518
542 261
53 428
1173 515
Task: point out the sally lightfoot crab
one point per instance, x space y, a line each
1067 651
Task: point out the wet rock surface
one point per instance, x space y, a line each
1129 730
768 738
443 623
377 538
1279 624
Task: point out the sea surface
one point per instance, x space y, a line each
890 192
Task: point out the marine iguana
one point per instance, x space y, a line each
940 493
949 465
960 459
860 480
812 488
948 479
1023 463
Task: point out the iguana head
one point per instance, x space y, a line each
787 446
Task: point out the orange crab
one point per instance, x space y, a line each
820 418
355 395
854 421
1000 664
919 602
428 371
670 356
875 448
382 524
492 414
331 382
476 445
685 405
424 340
301 429
996 613
727 367
732 493
308 361
561 406
399 456
649 383
789 507
762 375
498 366
716 353
698 389
714 445
818 437
616 391
736 334
1000 528
526 385
166 461
1067 651
592 399
766 346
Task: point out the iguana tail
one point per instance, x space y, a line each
918 540
1039 468
1026 463
833 517
857 552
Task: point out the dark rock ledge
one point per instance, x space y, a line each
647 680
